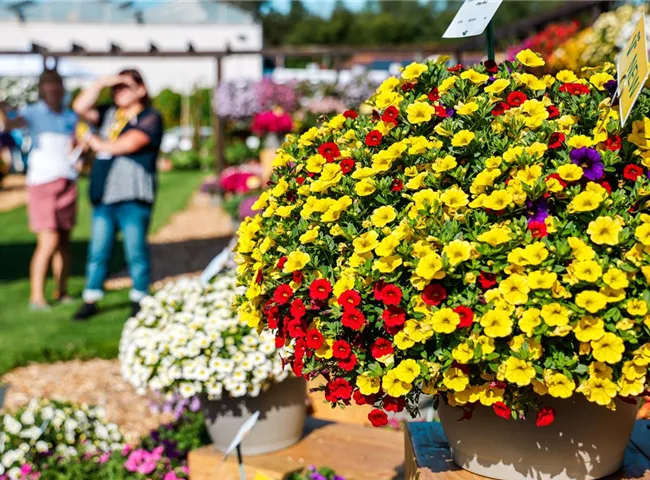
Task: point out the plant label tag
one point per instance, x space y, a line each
632 70
472 18
243 431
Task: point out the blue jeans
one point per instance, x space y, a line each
132 219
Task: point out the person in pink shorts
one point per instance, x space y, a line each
51 184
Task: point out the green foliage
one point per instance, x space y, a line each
169 104
182 436
312 473
189 160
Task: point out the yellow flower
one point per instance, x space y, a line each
515 289
402 341
429 266
570 172
310 235
387 246
534 346
462 138
608 349
579 141
444 164
566 76
637 307
536 112
419 112
474 76
611 295
616 279
498 200
454 197
368 385
587 270
589 328
466 108
393 386
600 369
580 250
585 202
445 320
604 231
541 280
642 232
366 242
600 390
463 353
519 371
496 236
389 84
489 396
496 323
284 211
388 99
535 253
529 174
530 319
555 315
387 264
446 84
413 71
591 301
383 216
315 163
365 187
457 251
530 58
455 379
407 370
296 260
498 86
599 80
559 385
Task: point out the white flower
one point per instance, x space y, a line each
27 418
41 446
11 425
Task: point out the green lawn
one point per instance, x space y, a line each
28 336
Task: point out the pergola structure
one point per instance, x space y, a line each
517 29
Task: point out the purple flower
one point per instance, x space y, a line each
195 404
590 161
611 86
246 207
317 476
338 477
538 210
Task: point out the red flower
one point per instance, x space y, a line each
349 298
300 180
350 114
441 111
434 294
394 405
613 143
353 318
394 316
500 109
281 262
378 418
361 399
397 185
296 329
329 150
373 138
574 88
545 416
297 277
632 172
502 410
347 164
282 294
349 363
407 87
466 316
487 280
391 295
376 289
390 115
556 140
433 95
341 349
314 339
491 66
298 309
538 229
339 389
259 277
381 347
606 186
320 289
297 367
516 98
279 341
553 111
558 178
457 68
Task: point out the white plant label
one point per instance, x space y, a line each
472 18
243 431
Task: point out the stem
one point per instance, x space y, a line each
489 37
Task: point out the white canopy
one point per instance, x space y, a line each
32 66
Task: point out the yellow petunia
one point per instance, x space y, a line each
604 231
591 301
413 71
296 260
407 370
387 264
455 379
519 372
498 86
462 138
368 385
555 315
474 76
496 323
429 266
570 172
454 197
382 216
419 112
457 251
393 386
365 187
444 320
559 385
589 328
515 289
608 349
585 202
530 58
637 307
466 108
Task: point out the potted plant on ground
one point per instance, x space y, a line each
484 237
187 340
272 126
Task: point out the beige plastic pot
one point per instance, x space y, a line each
282 417
585 442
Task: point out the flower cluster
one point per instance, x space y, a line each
271 121
187 339
313 473
45 429
241 179
547 40
483 236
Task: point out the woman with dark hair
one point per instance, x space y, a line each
51 187
122 181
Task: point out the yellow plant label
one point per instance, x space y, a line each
632 69
261 476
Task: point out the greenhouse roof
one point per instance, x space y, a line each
124 12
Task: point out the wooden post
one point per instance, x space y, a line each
218 123
489 37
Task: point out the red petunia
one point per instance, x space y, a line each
259 277
329 150
441 111
349 298
613 143
390 115
298 309
433 95
407 87
353 318
575 88
347 165
487 280
282 294
500 109
538 229
457 68
502 410
350 114
339 389
381 347
361 399
281 262
515 99
393 316
279 341
395 405
297 367
300 180
373 138
466 316
296 329
378 418
376 289
434 294
553 111
397 185
632 172
491 66
314 339
349 363
320 289
556 140
545 416
341 349
391 295
297 276
606 186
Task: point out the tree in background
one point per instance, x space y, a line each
168 103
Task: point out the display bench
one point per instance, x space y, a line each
428 456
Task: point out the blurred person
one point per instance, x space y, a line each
123 182
51 184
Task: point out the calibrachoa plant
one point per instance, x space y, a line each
187 339
46 429
483 236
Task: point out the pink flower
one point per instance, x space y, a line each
171 475
103 458
126 450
